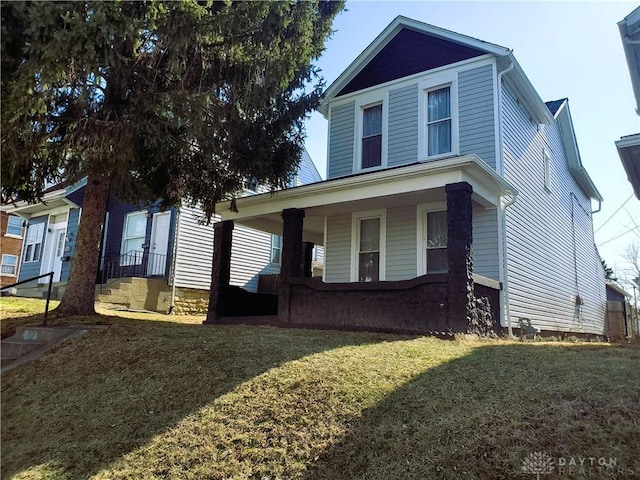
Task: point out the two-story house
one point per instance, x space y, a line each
454 196
149 259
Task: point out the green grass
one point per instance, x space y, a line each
148 398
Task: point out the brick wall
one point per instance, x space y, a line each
9 245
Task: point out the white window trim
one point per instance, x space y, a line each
15 272
40 226
546 165
125 238
421 252
424 87
356 217
273 237
12 235
370 100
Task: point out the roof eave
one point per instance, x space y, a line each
630 163
631 45
579 173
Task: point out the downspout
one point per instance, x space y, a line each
505 279
174 263
505 265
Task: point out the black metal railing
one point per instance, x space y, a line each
46 306
135 264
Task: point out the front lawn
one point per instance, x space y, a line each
148 398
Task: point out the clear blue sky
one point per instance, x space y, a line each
569 49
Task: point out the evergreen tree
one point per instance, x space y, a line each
170 101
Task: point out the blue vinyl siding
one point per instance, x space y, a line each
486 259
403 126
476 113
401 243
117 213
307 171
341 133
70 244
32 269
551 253
337 256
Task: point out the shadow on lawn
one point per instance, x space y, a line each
85 405
482 415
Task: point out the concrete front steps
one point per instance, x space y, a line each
133 293
30 342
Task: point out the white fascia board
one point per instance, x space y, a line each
630 34
387 35
400 180
563 117
628 141
52 199
534 104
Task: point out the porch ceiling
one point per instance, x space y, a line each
395 187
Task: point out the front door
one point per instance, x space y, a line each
54 250
159 245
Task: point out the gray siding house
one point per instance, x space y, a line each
452 189
165 255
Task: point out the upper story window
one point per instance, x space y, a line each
372 136
14 226
439 139
370 148
438 117
251 185
33 243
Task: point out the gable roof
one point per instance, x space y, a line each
554 105
579 173
459 45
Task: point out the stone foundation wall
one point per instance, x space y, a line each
189 301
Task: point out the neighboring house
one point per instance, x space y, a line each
11 235
620 323
629 145
449 183
169 248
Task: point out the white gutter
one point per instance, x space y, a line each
504 293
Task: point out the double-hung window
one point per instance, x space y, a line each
372 136
276 249
14 226
436 242
439 122
33 243
368 237
9 265
133 237
438 117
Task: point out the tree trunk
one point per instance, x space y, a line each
78 298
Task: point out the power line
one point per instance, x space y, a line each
634 230
614 213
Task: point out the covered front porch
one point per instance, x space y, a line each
395 279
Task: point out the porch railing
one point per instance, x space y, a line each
135 264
